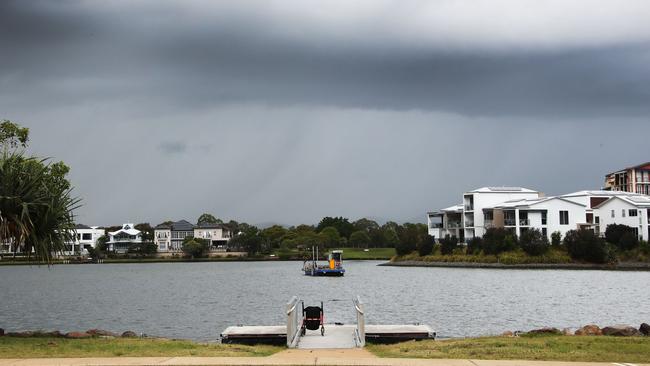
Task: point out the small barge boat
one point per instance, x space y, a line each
334 266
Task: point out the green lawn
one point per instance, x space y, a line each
372 253
549 348
12 347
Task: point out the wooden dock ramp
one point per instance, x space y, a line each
337 336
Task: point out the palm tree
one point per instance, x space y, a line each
36 206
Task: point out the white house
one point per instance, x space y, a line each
120 240
486 197
85 237
217 234
630 210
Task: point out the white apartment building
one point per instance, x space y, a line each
520 209
120 240
474 202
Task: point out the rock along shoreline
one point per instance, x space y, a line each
566 266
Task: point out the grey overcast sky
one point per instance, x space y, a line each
288 111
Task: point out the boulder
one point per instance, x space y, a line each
546 330
101 333
645 329
589 330
621 331
77 335
129 334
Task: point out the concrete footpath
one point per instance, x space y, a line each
356 357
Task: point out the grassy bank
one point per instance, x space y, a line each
11 347
553 256
548 348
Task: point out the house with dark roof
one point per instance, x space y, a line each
169 237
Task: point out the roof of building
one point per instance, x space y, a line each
182 225
600 193
81 226
455 208
645 165
127 229
635 200
502 190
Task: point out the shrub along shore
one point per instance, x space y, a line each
499 248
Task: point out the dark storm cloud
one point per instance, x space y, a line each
157 54
289 111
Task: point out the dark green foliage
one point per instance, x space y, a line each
248 239
533 242
498 240
474 245
587 246
274 235
425 246
644 247
390 238
207 218
359 239
628 241
147 231
410 236
12 135
35 202
330 237
556 239
195 247
144 248
342 225
621 236
448 244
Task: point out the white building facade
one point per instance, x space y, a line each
520 209
119 241
85 237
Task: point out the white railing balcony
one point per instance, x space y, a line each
469 207
435 226
524 222
509 222
453 225
488 224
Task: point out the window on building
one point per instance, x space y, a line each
632 212
564 217
613 214
623 213
87 236
544 218
544 232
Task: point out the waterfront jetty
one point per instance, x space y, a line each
336 336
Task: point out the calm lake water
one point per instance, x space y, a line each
199 300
